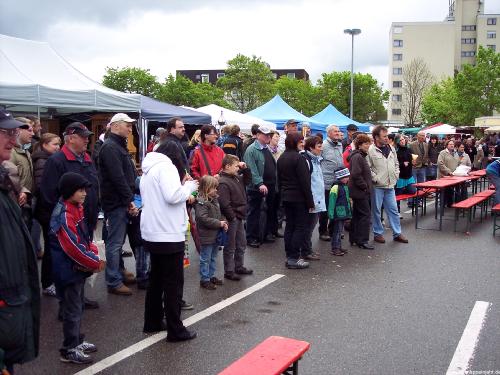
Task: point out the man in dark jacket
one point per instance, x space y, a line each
117 176
172 144
71 158
19 289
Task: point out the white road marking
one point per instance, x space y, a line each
151 340
467 344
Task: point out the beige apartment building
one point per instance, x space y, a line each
444 46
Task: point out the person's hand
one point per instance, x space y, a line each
311 210
216 176
102 265
263 189
242 165
223 225
187 177
413 162
191 199
132 209
406 163
23 198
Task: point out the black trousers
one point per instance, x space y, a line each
361 221
325 226
164 294
257 229
46 274
295 228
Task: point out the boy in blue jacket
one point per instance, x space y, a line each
339 208
74 258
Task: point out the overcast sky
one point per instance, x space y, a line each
164 36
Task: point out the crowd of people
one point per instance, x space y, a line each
226 191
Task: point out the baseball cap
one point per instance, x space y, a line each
121 117
263 129
7 121
77 128
292 122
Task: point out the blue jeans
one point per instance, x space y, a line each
387 197
312 220
72 310
338 229
208 261
116 226
432 171
495 180
419 174
142 264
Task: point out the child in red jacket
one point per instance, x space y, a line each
74 258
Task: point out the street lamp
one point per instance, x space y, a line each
352 32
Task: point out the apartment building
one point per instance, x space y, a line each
211 76
444 46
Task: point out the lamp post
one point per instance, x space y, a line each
352 32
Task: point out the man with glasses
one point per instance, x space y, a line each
19 288
207 158
117 176
72 157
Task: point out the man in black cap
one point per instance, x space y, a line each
19 288
351 129
291 126
71 158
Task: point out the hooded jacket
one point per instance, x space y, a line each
39 159
164 216
385 170
360 182
232 194
208 218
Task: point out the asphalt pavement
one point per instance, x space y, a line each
400 309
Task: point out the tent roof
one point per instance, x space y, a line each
154 110
331 115
245 122
50 81
440 129
278 111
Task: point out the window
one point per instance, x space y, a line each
468 27
397 43
397 98
491 34
290 75
468 53
397 83
205 78
396 111
468 40
397 57
491 21
397 29
397 71
219 75
492 47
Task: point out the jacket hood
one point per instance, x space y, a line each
152 159
40 154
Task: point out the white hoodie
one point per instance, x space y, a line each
164 217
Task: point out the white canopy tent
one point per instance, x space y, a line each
441 130
245 122
33 74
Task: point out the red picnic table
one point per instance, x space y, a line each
483 179
440 185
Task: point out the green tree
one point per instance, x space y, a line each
132 80
248 82
300 94
182 91
473 92
439 103
369 97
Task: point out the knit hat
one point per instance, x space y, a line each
341 172
70 182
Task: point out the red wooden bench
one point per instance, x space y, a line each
424 193
495 211
469 204
273 356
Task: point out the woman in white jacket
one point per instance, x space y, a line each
163 226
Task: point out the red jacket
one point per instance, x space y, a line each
214 155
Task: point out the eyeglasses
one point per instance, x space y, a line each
10 132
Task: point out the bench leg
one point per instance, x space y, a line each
457 211
294 368
469 220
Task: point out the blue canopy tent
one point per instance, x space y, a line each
154 110
278 111
331 115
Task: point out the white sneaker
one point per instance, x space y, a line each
87 347
50 291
